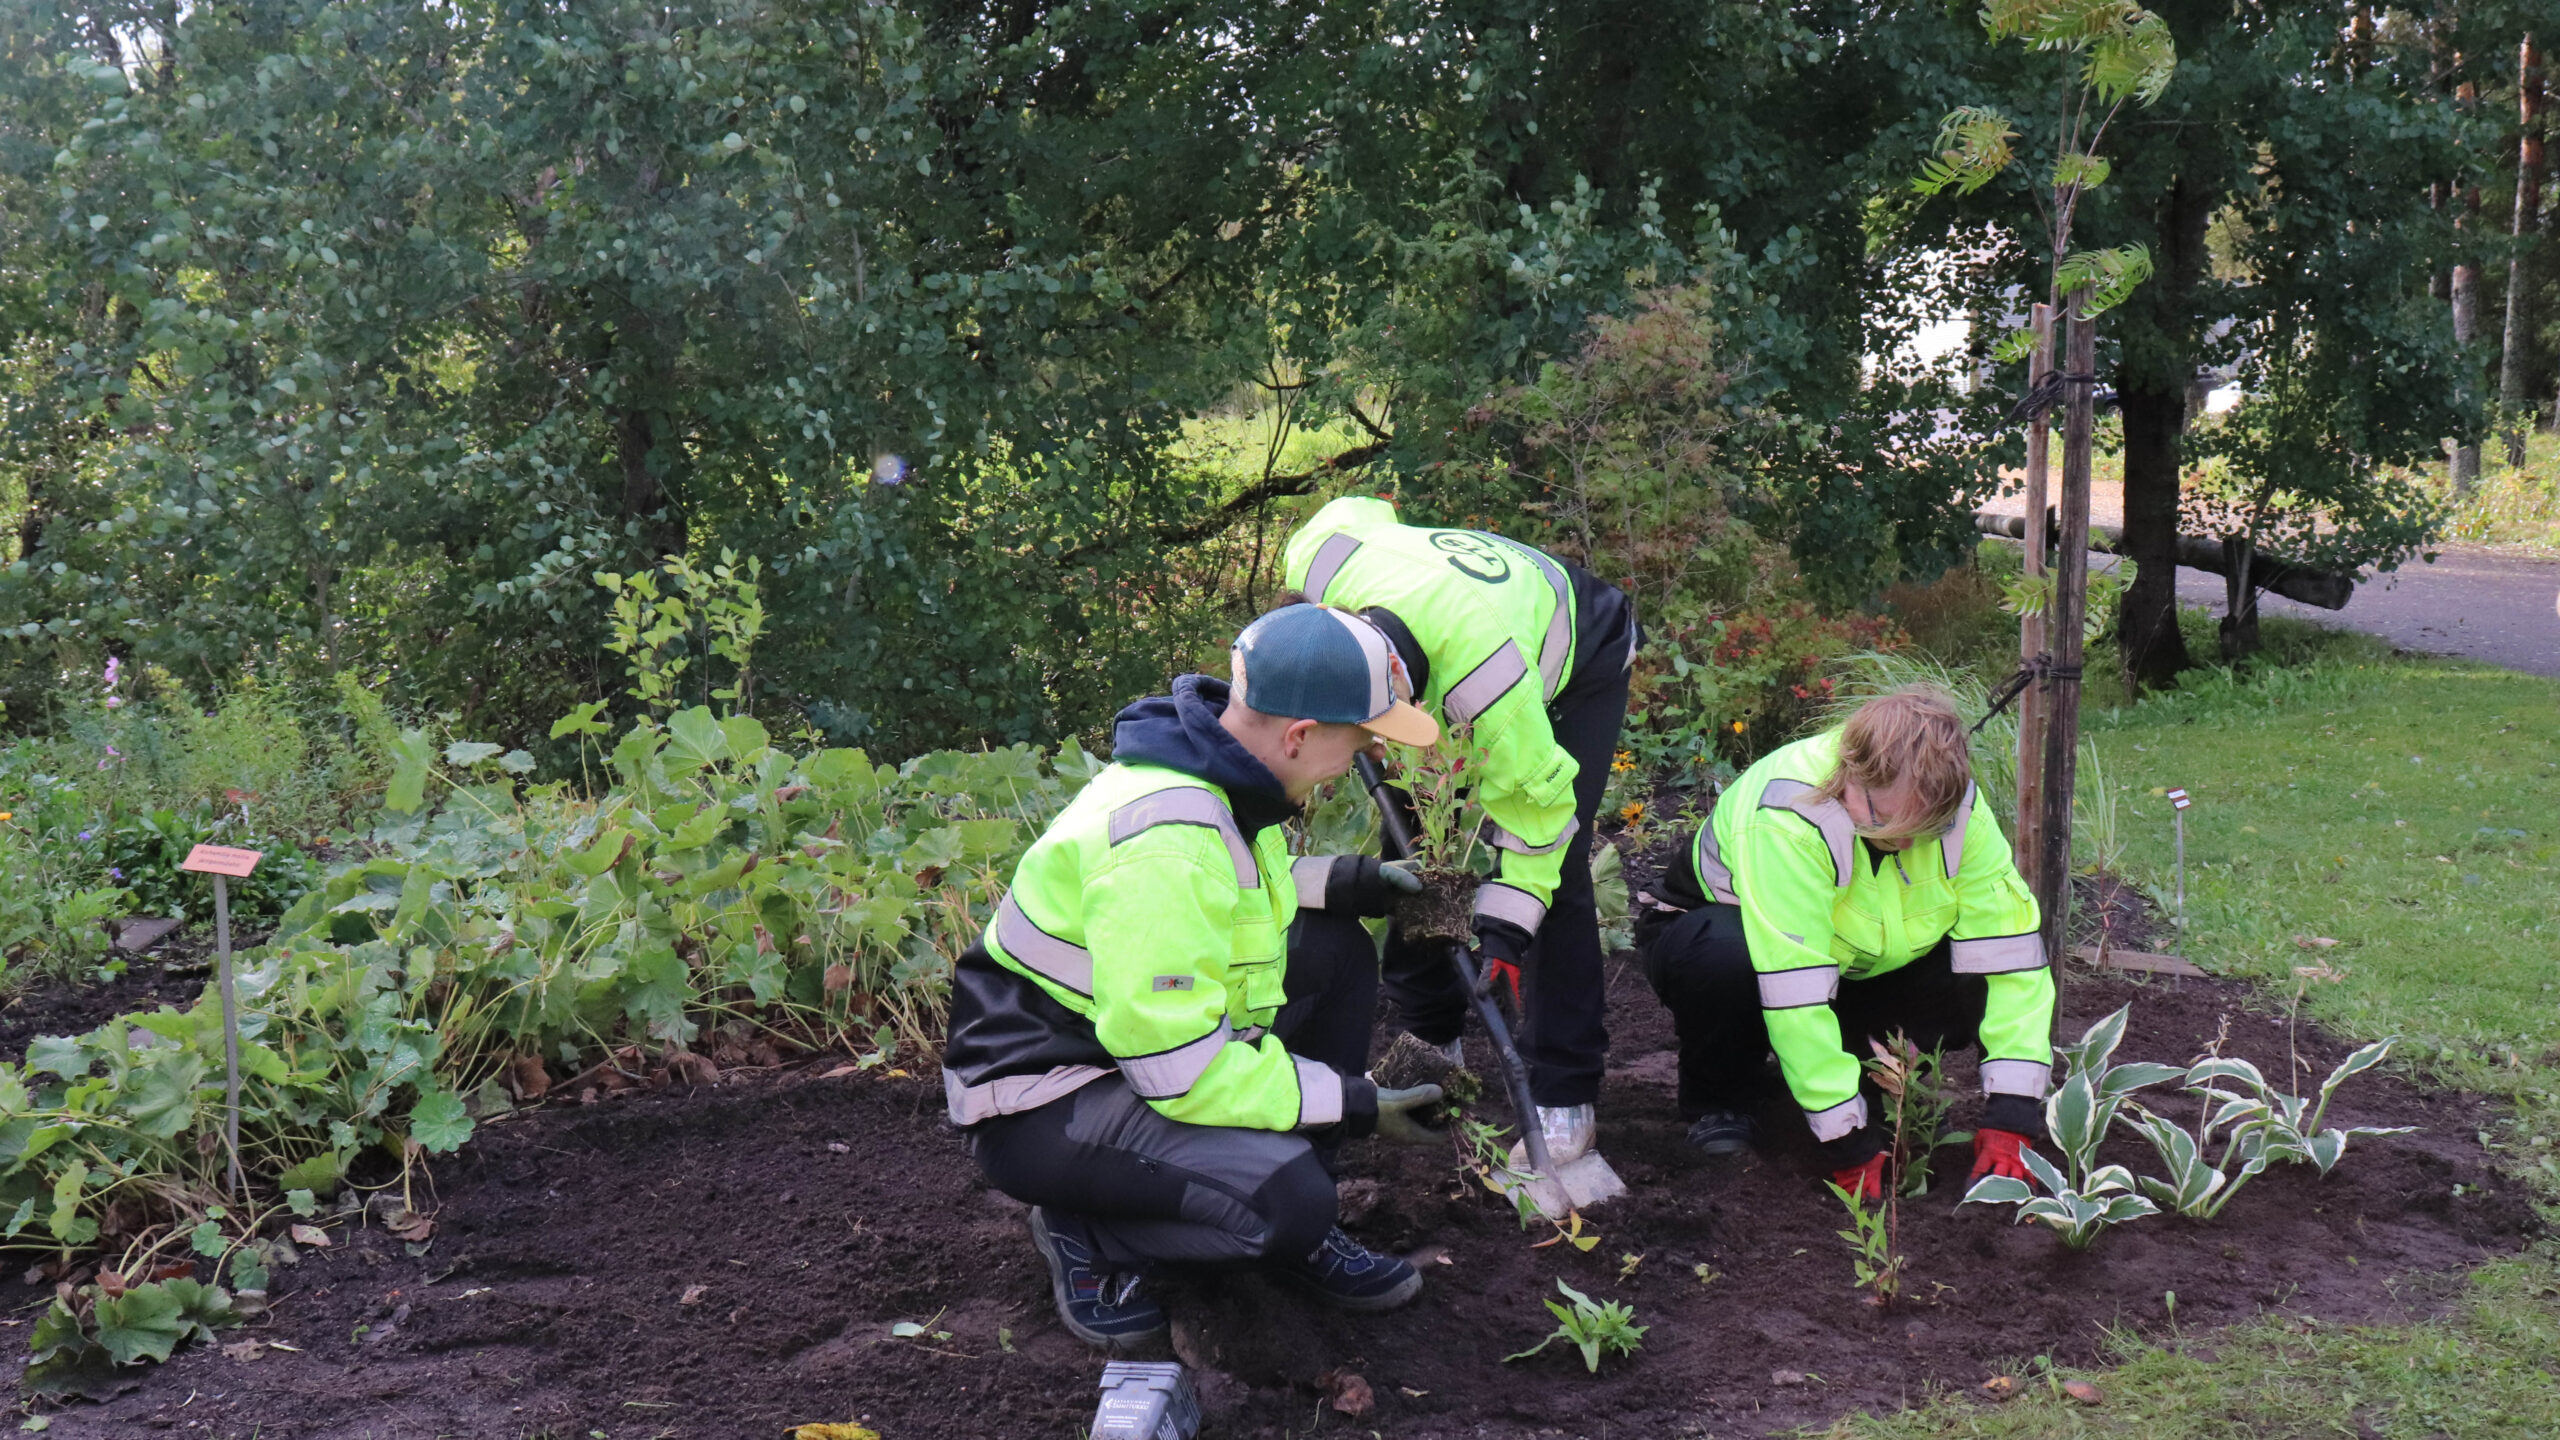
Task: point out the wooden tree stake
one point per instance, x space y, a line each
2061 684
2032 628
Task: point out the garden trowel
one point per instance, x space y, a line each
1557 1191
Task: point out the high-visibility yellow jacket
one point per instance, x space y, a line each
1818 907
1156 936
1496 621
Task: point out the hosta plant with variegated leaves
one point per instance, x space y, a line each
2256 1125
2082 1198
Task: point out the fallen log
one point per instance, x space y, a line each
2326 589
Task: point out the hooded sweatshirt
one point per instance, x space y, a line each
1006 1028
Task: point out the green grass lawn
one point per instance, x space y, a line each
2408 809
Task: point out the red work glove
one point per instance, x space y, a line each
1864 1181
1996 1152
1499 948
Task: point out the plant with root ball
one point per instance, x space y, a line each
1591 1326
2082 1197
1439 783
2257 1124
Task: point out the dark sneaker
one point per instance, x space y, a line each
1724 1132
1350 1276
1101 1307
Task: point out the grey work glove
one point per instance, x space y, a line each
1366 885
1400 1115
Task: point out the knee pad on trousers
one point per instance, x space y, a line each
1298 1207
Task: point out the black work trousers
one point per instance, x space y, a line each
1156 1189
1566 1035
1701 968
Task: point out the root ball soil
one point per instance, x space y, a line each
725 1260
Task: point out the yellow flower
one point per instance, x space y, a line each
1632 811
1623 763
7 815
1737 727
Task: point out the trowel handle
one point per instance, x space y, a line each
1391 821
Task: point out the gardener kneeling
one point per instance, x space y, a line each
1848 886
1134 1051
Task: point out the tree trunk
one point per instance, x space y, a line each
2154 649
2239 599
2519 336
644 499
2466 328
2152 393
2064 629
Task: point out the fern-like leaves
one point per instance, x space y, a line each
1973 146
2131 53
2110 275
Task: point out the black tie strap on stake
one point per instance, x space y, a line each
2040 668
2047 395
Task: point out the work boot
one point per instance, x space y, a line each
1099 1306
1724 1132
1350 1276
1570 1131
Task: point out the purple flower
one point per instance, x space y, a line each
114 700
84 834
114 667
115 873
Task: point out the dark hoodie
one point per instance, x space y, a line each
1003 1024
1181 732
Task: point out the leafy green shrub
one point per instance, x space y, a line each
720 882
1728 689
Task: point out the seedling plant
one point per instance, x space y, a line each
1913 1083
1871 1236
1591 1326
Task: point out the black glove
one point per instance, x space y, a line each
1855 1148
1500 947
1365 885
2014 1113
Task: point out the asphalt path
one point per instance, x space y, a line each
2489 605
2482 605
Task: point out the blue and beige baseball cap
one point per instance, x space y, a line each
1313 662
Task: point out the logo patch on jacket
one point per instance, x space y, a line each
1173 982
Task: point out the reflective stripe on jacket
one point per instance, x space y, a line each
1149 921
1496 622
1816 910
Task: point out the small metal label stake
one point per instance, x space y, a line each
225 863
2178 803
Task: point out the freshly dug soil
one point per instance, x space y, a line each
1445 910
723 1261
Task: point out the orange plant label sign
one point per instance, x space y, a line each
221 860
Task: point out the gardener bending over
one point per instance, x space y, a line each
1134 1051
1846 887
1532 653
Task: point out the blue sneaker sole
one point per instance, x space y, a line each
1064 1302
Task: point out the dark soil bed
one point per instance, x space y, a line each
727 1260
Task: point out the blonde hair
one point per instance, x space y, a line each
1912 732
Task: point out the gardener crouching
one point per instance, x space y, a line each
1159 1042
1849 886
